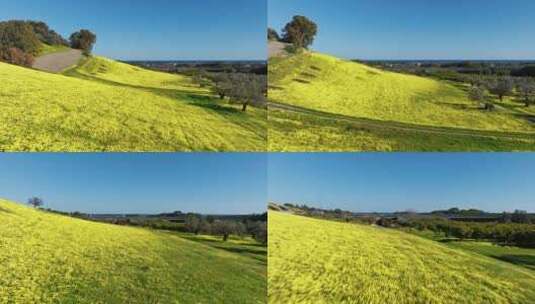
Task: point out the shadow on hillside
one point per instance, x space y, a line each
520 260
192 97
5 210
248 249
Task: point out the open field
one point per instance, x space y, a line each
48 258
103 105
350 263
367 109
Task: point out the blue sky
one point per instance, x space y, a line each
156 29
216 183
398 182
416 29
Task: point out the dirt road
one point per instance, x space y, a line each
57 62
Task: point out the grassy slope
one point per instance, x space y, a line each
50 49
348 263
109 106
47 258
327 84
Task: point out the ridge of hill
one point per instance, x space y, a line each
50 258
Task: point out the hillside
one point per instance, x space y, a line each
355 101
104 105
48 258
349 263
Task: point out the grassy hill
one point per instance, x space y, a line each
349 263
103 105
51 49
344 105
48 258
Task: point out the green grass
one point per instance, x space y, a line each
48 258
318 85
103 105
47 49
318 261
291 131
519 256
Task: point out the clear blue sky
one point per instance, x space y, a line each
397 182
416 29
216 183
156 29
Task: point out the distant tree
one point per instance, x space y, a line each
193 223
83 40
526 89
502 87
36 202
222 85
273 35
477 94
300 32
260 232
520 216
223 228
248 89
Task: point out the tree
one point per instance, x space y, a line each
502 87
520 216
36 202
526 89
273 35
223 228
83 40
477 94
20 35
46 35
247 89
300 32
193 223
222 85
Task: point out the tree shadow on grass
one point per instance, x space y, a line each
527 261
252 249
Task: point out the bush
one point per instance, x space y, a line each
46 35
16 56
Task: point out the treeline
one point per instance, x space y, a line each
198 224
21 41
513 234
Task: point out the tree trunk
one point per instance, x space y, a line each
225 237
221 96
244 106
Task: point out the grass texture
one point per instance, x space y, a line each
104 105
313 82
317 261
51 49
48 258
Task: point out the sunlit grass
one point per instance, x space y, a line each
334 86
317 261
50 49
47 258
109 106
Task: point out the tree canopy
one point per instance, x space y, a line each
83 40
301 32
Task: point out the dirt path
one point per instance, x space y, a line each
57 62
402 126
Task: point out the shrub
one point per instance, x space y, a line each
16 56
83 40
